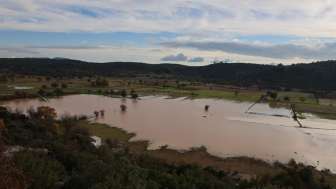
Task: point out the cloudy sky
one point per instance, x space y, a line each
195 32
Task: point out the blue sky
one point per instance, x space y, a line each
35 38
187 32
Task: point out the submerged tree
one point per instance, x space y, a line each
58 92
295 114
123 93
206 107
123 107
102 113
41 92
134 95
273 95
96 113
286 98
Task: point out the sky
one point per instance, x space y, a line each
197 32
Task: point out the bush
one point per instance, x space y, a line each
99 83
44 172
41 92
58 92
54 85
123 93
64 85
134 95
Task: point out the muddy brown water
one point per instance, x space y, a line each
226 130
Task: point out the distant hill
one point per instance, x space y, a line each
312 76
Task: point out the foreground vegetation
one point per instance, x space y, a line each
39 151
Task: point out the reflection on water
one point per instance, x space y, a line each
224 129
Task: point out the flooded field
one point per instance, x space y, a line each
225 129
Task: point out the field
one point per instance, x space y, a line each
31 86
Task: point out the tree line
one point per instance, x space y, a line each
317 76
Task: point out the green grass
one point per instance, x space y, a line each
298 97
203 93
113 133
230 95
107 132
323 111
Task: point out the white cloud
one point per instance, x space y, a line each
175 58
296 17
135 54
207 28
196 59
280 51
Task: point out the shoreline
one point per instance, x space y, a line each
244 166
195 155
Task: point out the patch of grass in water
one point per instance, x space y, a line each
107 132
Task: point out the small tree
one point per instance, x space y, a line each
41 92
123 107
206 107
123 93
58 92
64 85
134 95
100 83
3 79
302 99
54 85
2 125
286 98
45 112
273 95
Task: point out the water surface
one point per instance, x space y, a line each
226 130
